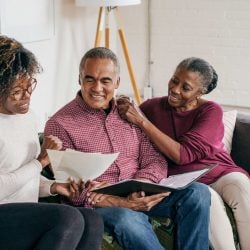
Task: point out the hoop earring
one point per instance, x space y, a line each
197 100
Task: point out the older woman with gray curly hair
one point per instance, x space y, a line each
189 130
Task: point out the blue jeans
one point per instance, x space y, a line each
188 208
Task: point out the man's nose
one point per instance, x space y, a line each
97 86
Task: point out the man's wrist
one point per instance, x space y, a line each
116 201
122 202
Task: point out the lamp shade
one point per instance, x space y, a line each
106 2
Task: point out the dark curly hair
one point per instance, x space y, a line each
15 61
209 77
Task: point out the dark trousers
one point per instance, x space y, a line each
41 226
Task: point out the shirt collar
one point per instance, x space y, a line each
87 108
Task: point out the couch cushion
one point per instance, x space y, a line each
229 119
241 142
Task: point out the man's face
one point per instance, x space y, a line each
98 80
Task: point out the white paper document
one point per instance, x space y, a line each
87 166
182 180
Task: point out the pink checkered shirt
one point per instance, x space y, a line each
90 130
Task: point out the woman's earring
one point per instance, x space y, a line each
198 97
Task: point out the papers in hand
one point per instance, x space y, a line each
173 182
87 166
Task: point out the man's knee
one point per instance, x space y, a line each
199 195
123 219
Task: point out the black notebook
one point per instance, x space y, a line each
173 182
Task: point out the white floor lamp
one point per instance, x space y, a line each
105 9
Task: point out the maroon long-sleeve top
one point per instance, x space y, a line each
200 133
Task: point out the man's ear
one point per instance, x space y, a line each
117 83
79 79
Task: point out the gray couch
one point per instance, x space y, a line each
241 141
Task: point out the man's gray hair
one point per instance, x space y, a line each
102 53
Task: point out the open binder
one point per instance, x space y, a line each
172 183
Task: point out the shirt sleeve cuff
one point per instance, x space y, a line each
45 187
38 164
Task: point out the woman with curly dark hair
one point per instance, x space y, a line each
24 223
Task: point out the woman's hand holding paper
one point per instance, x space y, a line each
71 189
49 142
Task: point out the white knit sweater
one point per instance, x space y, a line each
19 169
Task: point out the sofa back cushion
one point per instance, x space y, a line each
229 119
241 141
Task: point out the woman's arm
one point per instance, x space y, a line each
70 189
12 182
203 138
165 144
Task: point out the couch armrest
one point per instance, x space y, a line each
241 142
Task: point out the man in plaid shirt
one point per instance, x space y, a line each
91 123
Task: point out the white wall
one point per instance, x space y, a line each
217 30
75 29
60 56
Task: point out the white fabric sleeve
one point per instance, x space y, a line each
44 188
12 182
